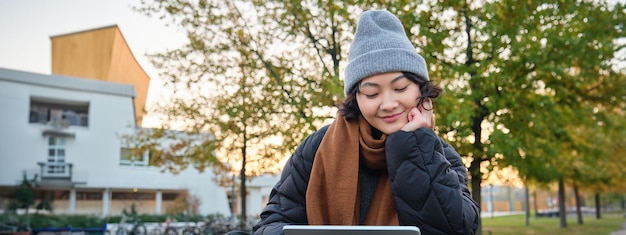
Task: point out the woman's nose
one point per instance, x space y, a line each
389 102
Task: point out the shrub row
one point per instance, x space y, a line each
90 221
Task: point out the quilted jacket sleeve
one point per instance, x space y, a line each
286 204
429 183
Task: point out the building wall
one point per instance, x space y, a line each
502 198
94 207
258 190
94 150
101 54
86 54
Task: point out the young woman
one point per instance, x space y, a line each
379 162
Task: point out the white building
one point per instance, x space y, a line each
259 189
65 133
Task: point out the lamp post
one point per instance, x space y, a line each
491 199
232 197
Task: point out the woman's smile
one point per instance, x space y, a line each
393 118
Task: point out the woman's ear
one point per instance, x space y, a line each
432 121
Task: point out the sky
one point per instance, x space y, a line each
27 25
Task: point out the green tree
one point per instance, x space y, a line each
253 75
602 171
520 76
23 197
580 87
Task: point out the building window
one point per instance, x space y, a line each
170 196
131 157
63 113
132 196
80 195
56 156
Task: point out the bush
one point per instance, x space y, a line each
92 221
14 221
57 221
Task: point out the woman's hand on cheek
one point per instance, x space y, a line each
419 118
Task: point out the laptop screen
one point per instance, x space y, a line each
349 230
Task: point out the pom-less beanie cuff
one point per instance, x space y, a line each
380 45
383 61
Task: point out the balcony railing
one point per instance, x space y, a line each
55 170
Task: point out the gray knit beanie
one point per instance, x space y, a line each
380 45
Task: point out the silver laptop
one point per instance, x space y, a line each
349 230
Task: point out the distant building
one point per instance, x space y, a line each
259 189
504 198
64 131
101 54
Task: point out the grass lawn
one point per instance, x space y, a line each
516 224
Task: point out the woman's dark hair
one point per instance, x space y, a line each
350 109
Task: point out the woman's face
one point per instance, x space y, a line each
386 99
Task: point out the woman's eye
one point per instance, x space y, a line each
370 96
403 88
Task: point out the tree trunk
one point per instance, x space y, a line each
474 170
242 176
527 205
579 213
562 209
597 197
535 202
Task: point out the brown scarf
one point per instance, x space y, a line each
333 196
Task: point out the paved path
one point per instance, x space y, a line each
499 213
620 232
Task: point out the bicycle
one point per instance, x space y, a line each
218 226
138 228
12 226
191 229
168 230
7 228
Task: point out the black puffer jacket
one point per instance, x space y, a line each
428 180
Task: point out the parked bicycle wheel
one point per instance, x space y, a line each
155 231
139 229
121 231
170 231
189 231
209 231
